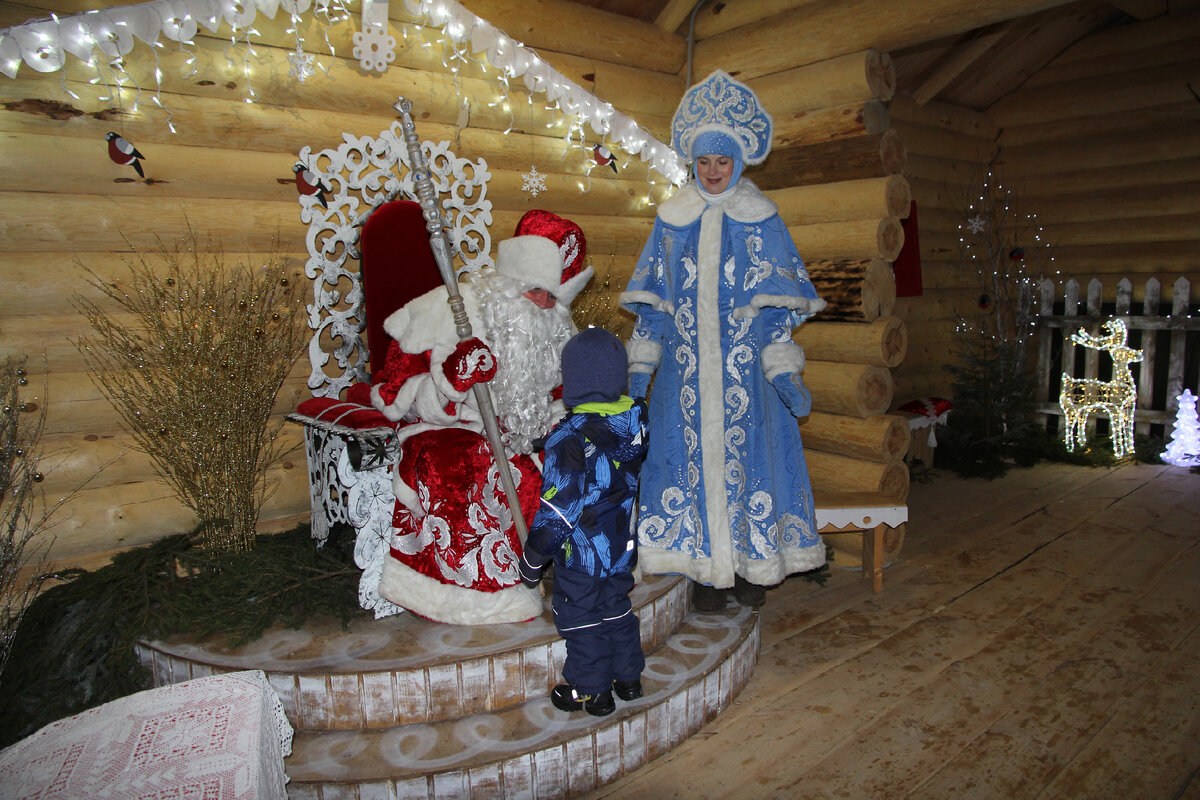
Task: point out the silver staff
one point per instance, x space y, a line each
441 254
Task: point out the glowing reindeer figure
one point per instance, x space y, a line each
1081 397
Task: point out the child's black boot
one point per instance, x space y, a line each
567 698
628 690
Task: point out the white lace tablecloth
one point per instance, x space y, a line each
218 738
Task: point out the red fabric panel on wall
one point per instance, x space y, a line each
907 266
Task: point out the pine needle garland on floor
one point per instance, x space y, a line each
74 647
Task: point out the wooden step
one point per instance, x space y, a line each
402 669
534 750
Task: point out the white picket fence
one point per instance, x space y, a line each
1160 328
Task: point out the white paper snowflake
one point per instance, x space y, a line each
976 224
374 48
535 182
302 64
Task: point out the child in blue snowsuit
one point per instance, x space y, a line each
584 524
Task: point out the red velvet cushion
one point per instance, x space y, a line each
340 412
928 406
397 266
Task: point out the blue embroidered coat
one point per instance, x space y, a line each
717 292
589 486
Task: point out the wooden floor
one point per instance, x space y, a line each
1037 638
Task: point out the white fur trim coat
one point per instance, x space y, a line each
717 292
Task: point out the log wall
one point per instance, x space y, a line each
1104 142
946 145
227 172
1101 145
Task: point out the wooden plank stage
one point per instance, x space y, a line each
1038 638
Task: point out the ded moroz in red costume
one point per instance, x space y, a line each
454 547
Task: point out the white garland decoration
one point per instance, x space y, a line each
43 44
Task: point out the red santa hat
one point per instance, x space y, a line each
546 252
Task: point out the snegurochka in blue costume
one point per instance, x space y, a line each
719 288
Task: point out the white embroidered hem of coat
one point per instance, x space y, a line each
456 605
764 572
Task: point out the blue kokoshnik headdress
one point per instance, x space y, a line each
719 104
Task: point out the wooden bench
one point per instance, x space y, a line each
872 513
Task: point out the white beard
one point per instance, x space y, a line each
527 342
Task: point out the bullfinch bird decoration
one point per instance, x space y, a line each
604 157
309 183
122 152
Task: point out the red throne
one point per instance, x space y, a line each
397 266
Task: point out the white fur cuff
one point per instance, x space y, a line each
643 352
780 358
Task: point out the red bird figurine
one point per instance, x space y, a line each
309 183
122 152
604 157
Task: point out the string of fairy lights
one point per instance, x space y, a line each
103 39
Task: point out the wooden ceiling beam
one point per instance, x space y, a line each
1141 9
959 60
828 28
673 14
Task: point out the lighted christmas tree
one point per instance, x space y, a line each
1184 447
992 380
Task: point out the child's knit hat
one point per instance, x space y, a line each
594 368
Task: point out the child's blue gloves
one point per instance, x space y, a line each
531 566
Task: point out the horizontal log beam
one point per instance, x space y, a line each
855 290
813 126
850 239
557 25
1153 120
846 200
143 512
882 342
847 159
857 390
1128 92
880 438
956 119
1130 150
853 78
830 472
930 141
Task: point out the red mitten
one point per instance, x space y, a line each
470 363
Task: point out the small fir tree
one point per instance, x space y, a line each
993 383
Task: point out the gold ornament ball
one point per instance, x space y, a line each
275 315
283 281
38 477
170 281
23 381
20 372
258 333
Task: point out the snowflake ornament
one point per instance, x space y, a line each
302 64
374 48
976 224
534 182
